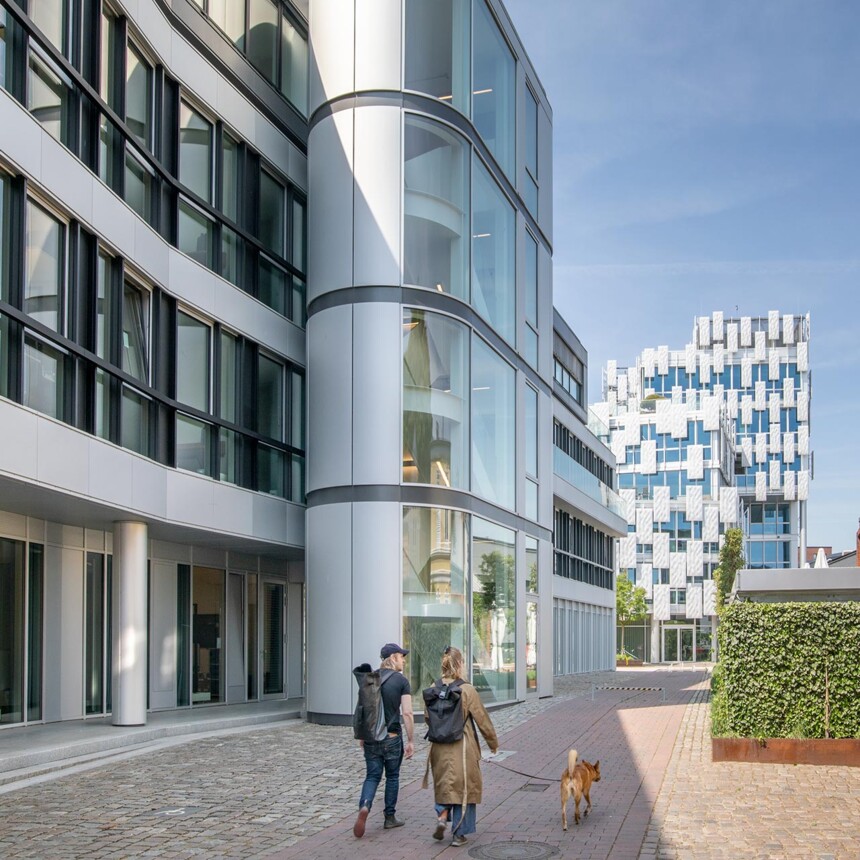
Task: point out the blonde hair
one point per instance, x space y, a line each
452 663
387 663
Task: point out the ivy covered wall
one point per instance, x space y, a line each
788 670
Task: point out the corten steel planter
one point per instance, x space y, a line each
829 751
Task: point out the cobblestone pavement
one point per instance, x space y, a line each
290 791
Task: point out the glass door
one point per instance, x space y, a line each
679 644
207 629
670 644
274 605
687 651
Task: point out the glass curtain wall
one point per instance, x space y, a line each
531 614
493 425
12 603
434 589
435 400
438 50
493 244
207 625
436 205
494 602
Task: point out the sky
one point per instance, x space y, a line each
707 158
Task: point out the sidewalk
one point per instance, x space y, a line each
631 731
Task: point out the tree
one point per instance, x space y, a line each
630 603
731 561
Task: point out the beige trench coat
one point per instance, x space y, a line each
446 760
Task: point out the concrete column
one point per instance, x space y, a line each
129 623
656 634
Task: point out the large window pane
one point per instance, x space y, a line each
101 419
11 631
270 398
94 635
493 88
228 455
271 477
438 50
297 411
229 15
531 409
207 629
531 190
493 422
4 356
48 97
263 36
531 281
195 152
44 378
139 181
135 332
192 361
229 376
230 177
134 421
294 66
272 198
299 231
50 17
103 272
192 444
107 58
35 591
435 400
195 234
436 178
231 255
272 286
434 589
493 243
4 208
531 646
46 267
138 97
494 603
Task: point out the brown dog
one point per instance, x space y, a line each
576 782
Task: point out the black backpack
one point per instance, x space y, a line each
368 719
445 720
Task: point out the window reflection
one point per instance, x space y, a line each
194 234
434 596
46 267
192 444
493 88
138 97
192 362
493 422
436 178
494 602
195 152
438 50
294 66
263 36
435 400
270 398
135 332
493 243
44 378
48 97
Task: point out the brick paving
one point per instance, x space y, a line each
290 791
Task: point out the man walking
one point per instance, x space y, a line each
386 755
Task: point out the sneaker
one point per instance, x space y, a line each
441 827
392 821
458 840
360 822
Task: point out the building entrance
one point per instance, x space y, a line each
679 644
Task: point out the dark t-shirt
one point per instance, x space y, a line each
395 687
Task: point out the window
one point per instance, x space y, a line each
493 422
436 179
493 88
229 15
493 243
192 361
195 152
107 57
138 96
45 284
230 177
530 348
135 332
531 191
135 418
531 416
272 201
195 233
262 42
139 182
192 444
435 400
44 377
438 50
48 95
51 17
270 398
294 66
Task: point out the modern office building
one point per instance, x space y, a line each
276 356
709 437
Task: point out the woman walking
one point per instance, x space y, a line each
456 767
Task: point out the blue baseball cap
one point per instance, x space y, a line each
391 648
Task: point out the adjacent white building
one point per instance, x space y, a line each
712 436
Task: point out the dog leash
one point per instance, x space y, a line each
573 744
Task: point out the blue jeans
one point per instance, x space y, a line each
378 756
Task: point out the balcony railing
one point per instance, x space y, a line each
578 476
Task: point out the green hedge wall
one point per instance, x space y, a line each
770 682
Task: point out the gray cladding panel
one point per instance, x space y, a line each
330 351
376 380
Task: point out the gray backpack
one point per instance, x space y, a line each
368 719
